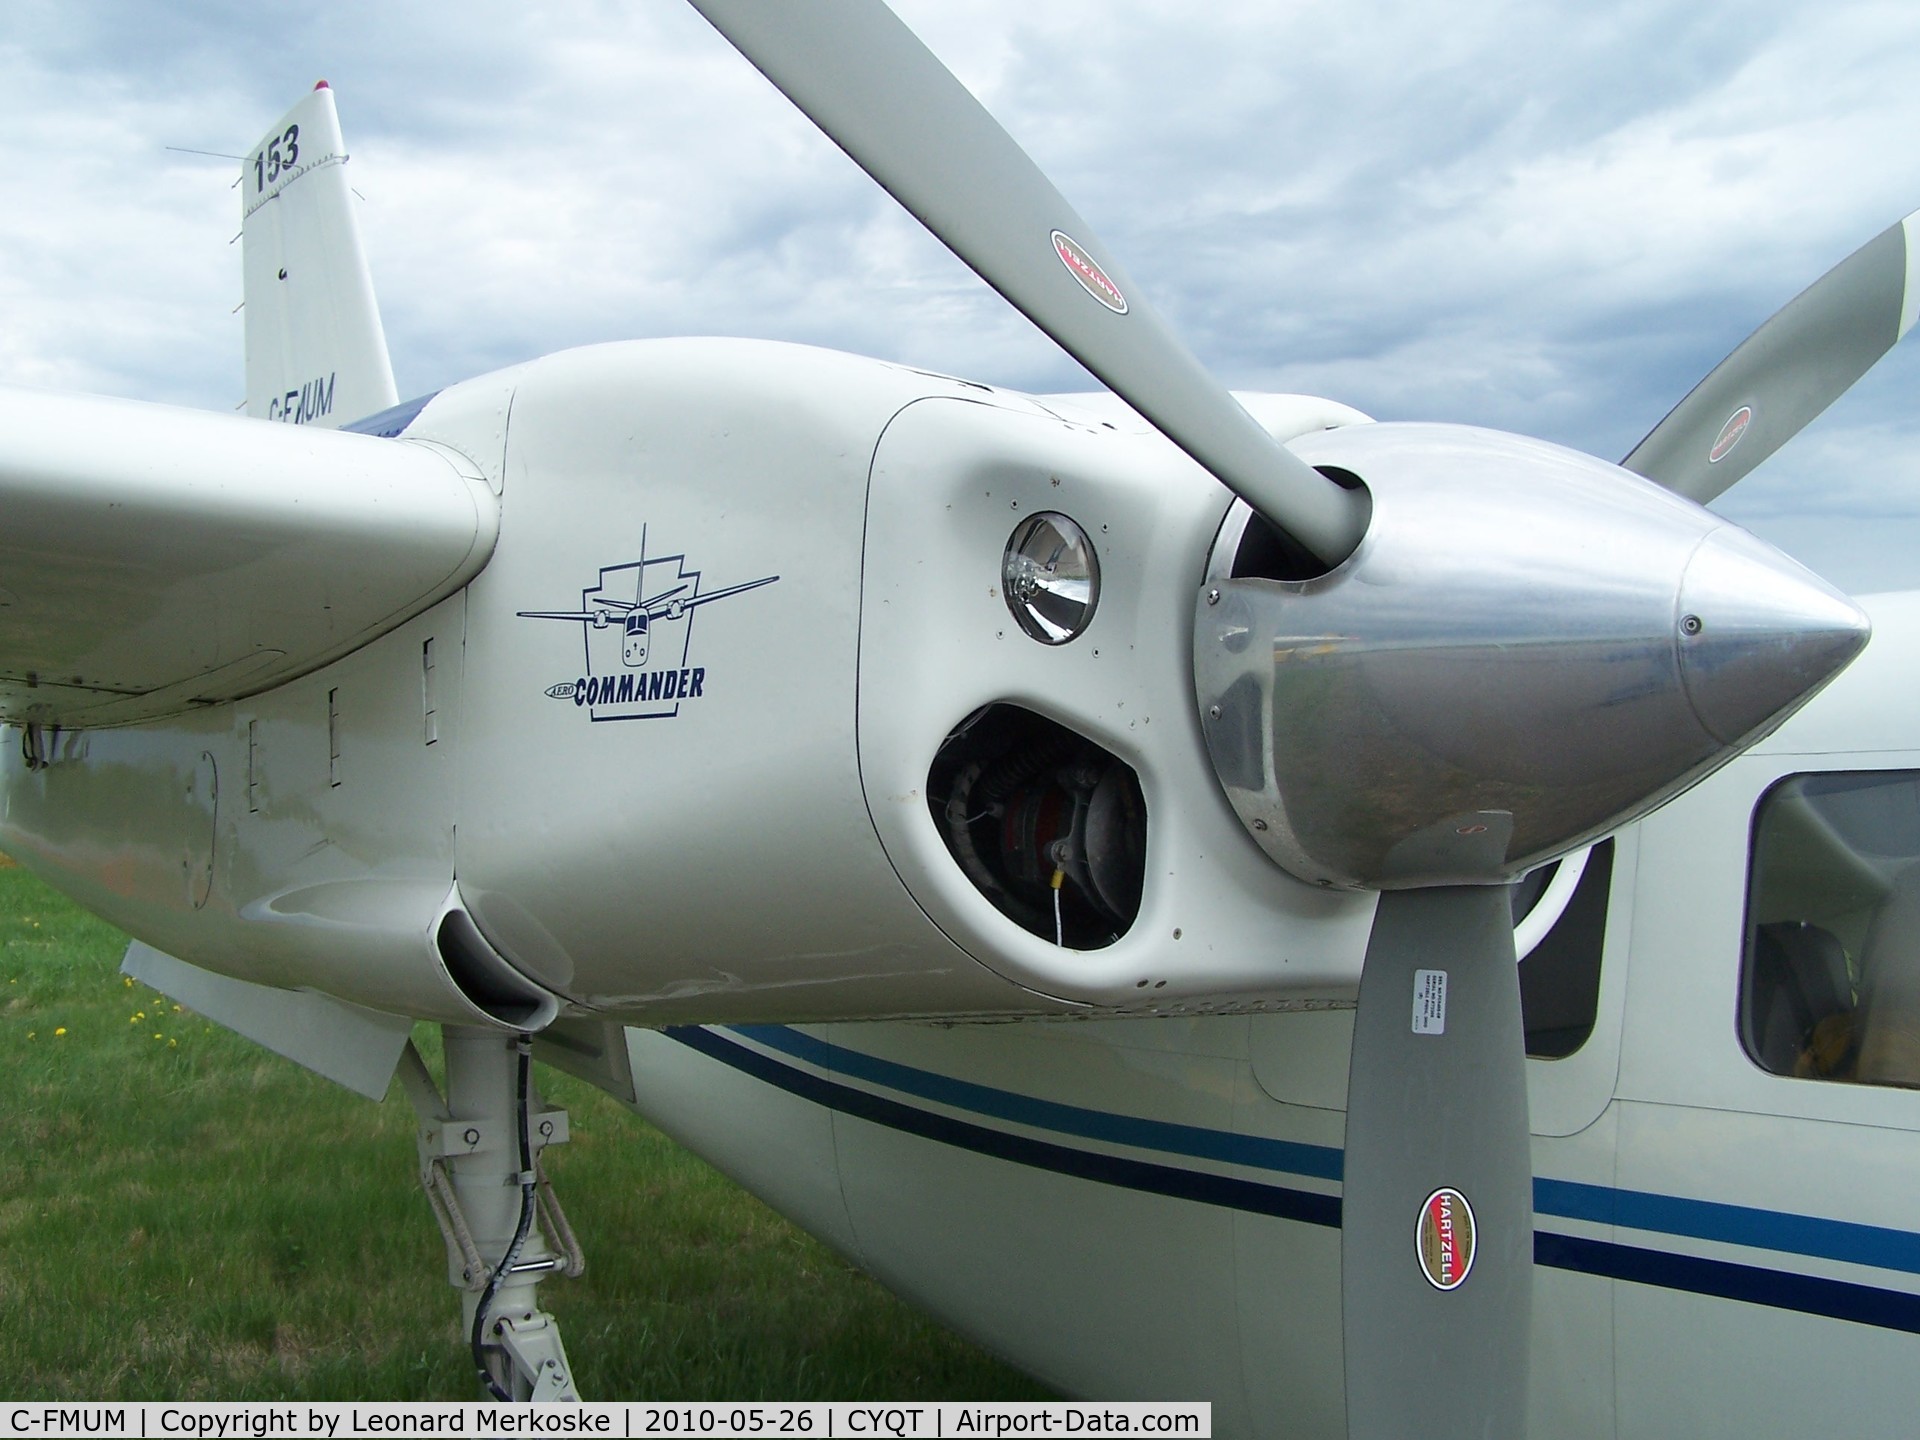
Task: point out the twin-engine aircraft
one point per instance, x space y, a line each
1232 749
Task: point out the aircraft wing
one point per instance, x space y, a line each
154 558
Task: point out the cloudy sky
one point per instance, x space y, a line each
1547 217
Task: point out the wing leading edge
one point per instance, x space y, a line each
155 559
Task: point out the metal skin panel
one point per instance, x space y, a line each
1529 648
332 851
1219 924
1026 1260
1702 1365
774 1144
1099 1288
707 854
156 560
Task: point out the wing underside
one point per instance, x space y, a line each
153 559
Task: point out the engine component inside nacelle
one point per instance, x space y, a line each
1049 826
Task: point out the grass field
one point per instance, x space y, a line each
185 1216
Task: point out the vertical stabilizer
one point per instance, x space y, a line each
316 351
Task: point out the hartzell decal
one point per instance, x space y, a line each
636 626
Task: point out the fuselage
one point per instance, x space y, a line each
1150 1207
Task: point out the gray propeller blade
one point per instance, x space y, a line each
878 93
1438 1184
1789 370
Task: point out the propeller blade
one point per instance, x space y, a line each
1789 370
866 80
1436 1238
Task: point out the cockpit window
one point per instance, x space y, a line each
1830 981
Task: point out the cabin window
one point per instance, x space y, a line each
1560 976
1830 979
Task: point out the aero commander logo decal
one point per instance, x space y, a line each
637 632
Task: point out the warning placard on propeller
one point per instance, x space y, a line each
1429 1002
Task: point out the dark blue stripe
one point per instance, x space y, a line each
1322 1162
1813 1295
1170 1180
1809 1294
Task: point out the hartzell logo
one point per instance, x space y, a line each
1444 1239
636 628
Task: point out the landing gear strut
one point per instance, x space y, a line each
480 1166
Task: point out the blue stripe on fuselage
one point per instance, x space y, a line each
1321 1162
1868 1245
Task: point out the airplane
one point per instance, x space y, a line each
1219 831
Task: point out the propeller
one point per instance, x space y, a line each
1437 1232
1436 1219
1789 370
879 94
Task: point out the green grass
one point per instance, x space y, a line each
185 1216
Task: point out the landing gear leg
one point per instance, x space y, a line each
480 1166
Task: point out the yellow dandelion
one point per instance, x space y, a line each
176 1009
127 980
139 1014
61 1031
173 1044
33 1034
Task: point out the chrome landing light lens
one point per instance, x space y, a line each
1050 578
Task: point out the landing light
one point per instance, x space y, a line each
1050 578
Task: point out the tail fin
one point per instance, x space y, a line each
316 351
